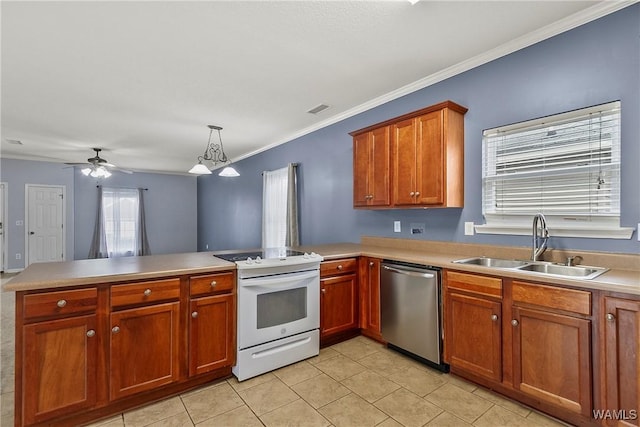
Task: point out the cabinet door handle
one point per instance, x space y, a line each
213 284
194 314
147 292
61 303
371 263
340 267
611 317
514 322
494 317
417 193
411 194
91 333
115 329
323 290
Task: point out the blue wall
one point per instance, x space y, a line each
18 173
592 64
170 206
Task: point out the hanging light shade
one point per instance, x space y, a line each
215 154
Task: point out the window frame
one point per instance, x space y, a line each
516 220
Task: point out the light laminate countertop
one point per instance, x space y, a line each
86 272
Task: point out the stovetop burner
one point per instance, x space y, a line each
268 253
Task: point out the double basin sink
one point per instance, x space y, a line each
539 267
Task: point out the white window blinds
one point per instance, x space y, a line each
566 165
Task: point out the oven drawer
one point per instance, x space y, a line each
145 292
338 266
211 284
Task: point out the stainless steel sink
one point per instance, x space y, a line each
492 262
536 267
583 272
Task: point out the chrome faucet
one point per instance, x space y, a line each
538 248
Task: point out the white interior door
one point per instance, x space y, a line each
2 222
45 223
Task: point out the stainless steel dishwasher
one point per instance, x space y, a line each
410 317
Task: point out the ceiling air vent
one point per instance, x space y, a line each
317 109
14 141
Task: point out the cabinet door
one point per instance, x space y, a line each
622 359
144 348
474 335
430 159
211 332
370 297
552 358
59 367
379 163
404 162
361 168
338 304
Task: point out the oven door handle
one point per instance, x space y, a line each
282 281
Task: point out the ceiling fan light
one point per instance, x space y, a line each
105 173
200 169
86 171
229 171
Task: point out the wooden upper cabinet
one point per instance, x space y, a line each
425 161
371 168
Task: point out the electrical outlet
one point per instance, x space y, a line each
206 246
19 222
468 229
18 256
417 228
397 228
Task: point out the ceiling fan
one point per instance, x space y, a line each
97 166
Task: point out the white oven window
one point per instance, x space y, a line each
281 307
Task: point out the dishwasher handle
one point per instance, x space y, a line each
409 273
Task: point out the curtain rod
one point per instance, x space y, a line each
292 164
125 188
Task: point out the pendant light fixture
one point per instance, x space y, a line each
215 154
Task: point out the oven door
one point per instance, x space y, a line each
278 306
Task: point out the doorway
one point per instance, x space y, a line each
45 222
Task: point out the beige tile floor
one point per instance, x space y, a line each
355 383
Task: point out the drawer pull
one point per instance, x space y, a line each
340 267
514 322
91 333
411 194
115 329
611 317
61 303
213 284
494 317
194 314
147 292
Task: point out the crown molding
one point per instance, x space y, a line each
585 16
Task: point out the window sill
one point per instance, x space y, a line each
559 231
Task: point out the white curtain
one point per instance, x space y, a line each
280 208
120 225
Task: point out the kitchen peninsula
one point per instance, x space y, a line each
95 314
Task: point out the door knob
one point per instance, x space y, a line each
91 333
115 329
610 317
194 314
514 322
494 317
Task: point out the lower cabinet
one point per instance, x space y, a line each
369 281
621 361
473 332
59 367
210 343
87 353
144 348
530 341
338 300
551 336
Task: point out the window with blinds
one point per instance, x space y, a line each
566 166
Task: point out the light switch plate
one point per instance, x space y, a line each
397 228
468 229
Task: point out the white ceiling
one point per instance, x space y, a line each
142 80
